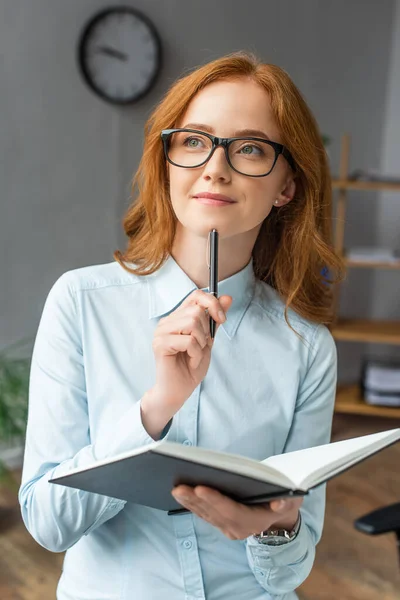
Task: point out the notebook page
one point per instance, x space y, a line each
301 465
229 462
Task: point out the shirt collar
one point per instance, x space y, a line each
169 286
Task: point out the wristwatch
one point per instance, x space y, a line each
277 537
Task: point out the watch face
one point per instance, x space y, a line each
274 540
119 55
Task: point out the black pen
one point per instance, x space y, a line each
178 511
213 271
213 289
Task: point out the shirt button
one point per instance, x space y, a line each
187 443
187 544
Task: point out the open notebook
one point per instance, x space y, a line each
147 475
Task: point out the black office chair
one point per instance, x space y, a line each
383 520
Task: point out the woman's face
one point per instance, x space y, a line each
225 109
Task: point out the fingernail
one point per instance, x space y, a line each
222 315
179 494
181 497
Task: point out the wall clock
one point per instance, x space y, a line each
119 54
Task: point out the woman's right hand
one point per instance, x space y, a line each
182 349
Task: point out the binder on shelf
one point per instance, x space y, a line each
380 381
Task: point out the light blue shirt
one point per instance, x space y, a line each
267 391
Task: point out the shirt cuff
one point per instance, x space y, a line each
293 552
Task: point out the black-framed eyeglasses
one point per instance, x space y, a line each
251 156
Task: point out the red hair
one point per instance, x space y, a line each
293 247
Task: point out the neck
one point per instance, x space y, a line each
190 252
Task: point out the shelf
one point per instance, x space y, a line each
344 184
349 400
365 330
372 263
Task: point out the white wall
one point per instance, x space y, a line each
67 157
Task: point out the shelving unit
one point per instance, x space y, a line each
350 401
349 398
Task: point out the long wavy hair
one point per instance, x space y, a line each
293 252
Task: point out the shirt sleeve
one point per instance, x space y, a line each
58 431
281 569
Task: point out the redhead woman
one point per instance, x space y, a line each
124 356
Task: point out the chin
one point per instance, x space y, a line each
225 230
202 227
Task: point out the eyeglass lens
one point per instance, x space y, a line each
250 157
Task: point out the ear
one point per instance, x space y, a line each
287 193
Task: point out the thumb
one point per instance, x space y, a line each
285 505
279 506
226 302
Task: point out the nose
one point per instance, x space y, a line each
217 168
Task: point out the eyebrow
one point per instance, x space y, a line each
239 132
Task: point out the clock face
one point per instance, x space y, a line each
119 55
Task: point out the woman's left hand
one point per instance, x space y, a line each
237 521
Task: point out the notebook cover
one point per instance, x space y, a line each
149 478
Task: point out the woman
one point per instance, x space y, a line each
123 354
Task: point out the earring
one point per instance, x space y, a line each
276 201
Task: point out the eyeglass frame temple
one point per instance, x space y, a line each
225 143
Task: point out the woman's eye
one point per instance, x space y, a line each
192 142
250 149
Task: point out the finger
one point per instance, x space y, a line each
185 324
221 506
183 493
195 352
207 301
198 509
238 518
168 345
188 498
226 303
201 316
208 510
234 519
180 320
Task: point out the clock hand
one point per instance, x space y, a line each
112 52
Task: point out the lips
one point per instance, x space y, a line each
217 197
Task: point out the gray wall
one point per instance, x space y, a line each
67 158
374 219
387 284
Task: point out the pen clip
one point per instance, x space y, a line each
208 252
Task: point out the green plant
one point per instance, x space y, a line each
14 385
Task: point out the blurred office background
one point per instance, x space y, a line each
67 156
